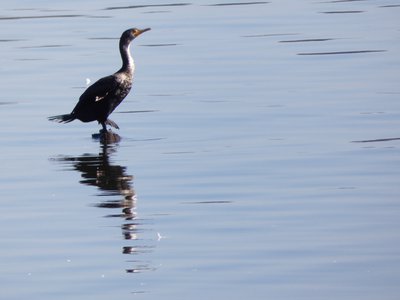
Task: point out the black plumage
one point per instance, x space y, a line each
102 97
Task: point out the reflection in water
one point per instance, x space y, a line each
117 192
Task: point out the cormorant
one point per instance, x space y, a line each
102 97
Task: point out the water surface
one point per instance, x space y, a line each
258 152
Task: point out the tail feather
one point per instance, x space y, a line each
62 118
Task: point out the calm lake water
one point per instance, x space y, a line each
259 153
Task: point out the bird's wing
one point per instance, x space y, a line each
97 91
94 96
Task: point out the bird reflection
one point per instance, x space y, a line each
117 192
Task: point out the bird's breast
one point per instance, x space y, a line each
123 77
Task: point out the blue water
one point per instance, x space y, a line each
259 152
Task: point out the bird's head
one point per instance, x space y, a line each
132 33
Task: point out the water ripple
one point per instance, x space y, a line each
239 3
40 17
306 40
343 12
146 6
341 52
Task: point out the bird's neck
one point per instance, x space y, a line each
128 64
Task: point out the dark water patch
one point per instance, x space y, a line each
268 35
239 3
7 102
45 46
11 40
40 17
146 6
341 52
377 140
306 40
159 45
343 12
390 5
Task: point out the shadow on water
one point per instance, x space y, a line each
116 194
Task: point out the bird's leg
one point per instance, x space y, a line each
112 123
104 130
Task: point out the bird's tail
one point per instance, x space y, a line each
62 118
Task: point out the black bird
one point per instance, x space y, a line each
102 97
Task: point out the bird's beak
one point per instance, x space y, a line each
140 31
